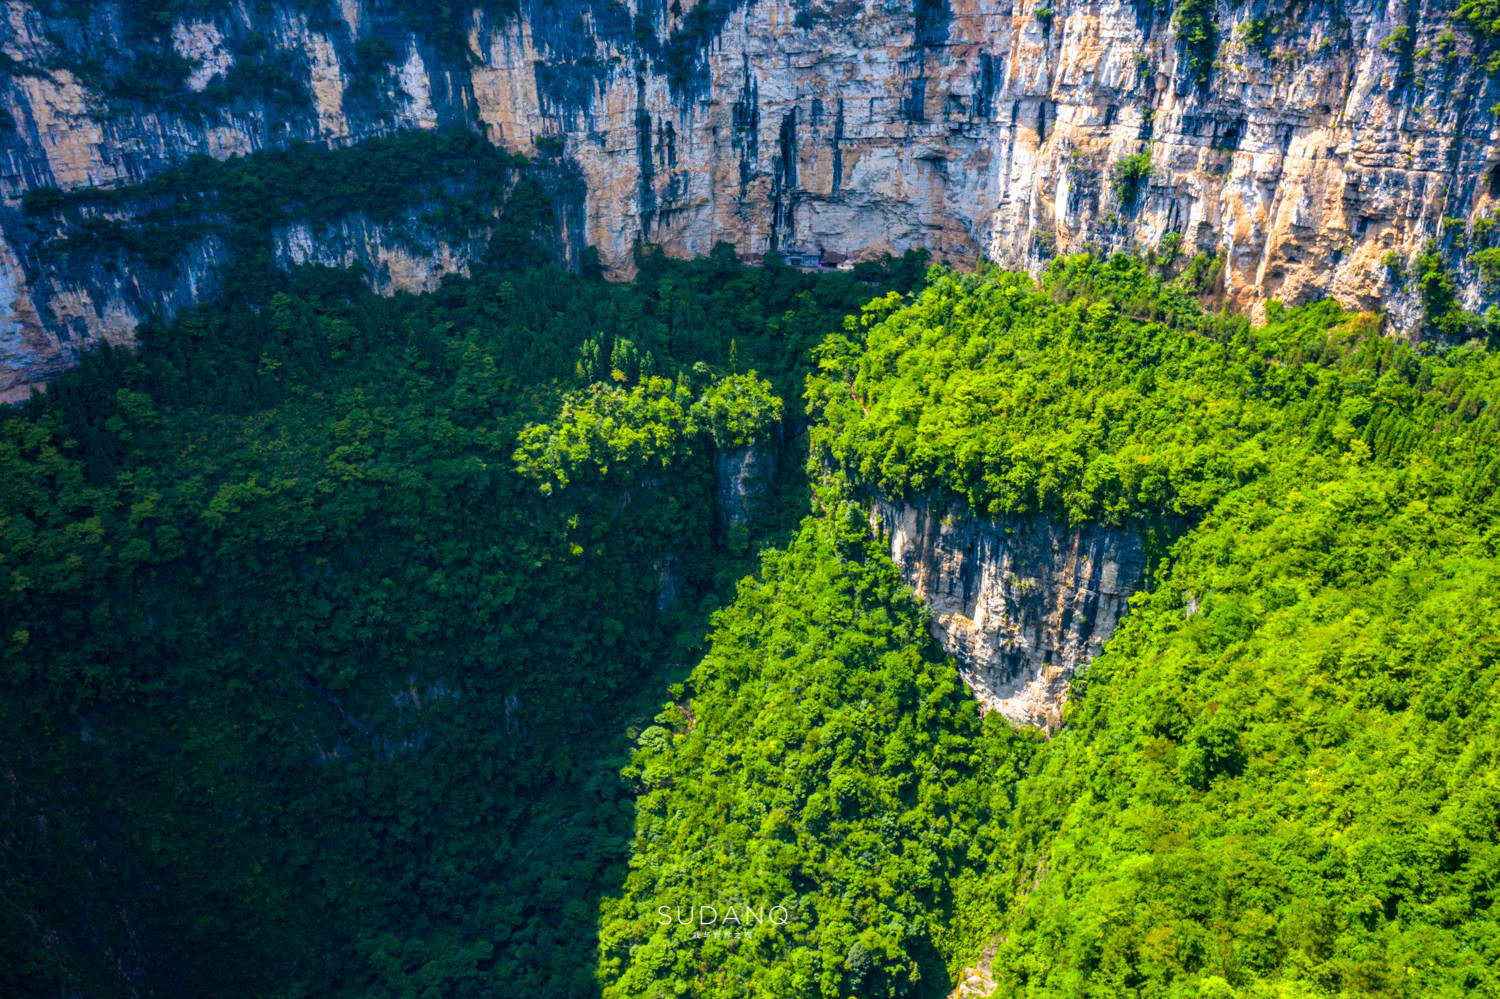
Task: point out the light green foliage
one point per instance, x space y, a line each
1294 788
235 562
1258 33
605 428
1394 263
1488 262
648 426
1280 777
1482 17
828 762
737 411
1105 394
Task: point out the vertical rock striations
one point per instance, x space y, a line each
1022 603
1301 145
745 475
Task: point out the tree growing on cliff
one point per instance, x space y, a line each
1130 175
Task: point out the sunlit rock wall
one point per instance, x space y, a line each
1309 152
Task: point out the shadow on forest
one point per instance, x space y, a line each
318 694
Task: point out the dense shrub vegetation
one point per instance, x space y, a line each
305 686
422 186
830 763
335 627
1108 395
1278 780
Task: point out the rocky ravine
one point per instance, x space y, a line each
1315 146
1021 603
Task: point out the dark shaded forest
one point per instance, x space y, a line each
407 646
319 672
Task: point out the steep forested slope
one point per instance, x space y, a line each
1279 779
829 763
315 674
334 626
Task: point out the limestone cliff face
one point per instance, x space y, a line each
744 477
1313 145
1021 603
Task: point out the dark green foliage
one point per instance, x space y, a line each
335 627
1130 175
1258 34
550 145
374 53
1441 310
1198 38
683 50
447 185
380 177
261 75
305 688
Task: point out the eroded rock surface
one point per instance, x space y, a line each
744 476
1313 148
1021 603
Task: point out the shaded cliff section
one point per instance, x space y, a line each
1307 147
1022 603
401 212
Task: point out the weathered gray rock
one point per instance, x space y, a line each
744 476
849 126
1021 603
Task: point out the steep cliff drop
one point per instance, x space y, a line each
744 476
1309 154
1021 603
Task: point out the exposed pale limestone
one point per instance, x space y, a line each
23 346
352 11
848 126
744 476
202 44
1021 603
412 79
391 264
327 82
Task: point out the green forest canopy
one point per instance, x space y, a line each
307 687
312 688
1279 779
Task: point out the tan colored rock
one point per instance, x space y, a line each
202 45
843 125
